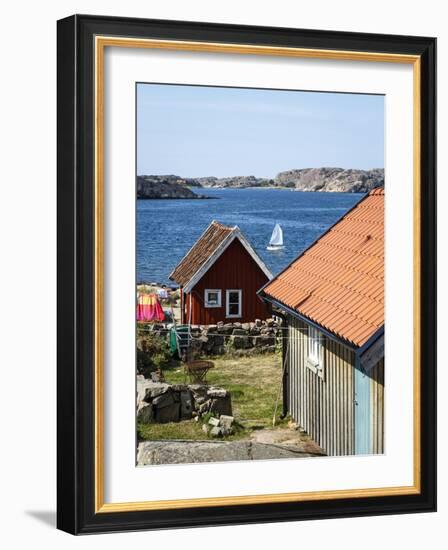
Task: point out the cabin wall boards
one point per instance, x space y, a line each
343 411
219 278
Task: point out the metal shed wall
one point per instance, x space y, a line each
324 407
377 402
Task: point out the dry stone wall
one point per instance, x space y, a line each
260 336
158 402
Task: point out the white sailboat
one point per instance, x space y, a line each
276 242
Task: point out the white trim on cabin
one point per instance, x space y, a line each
253 254
239 302
212 303
315 360
235 234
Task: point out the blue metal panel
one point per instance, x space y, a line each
363 439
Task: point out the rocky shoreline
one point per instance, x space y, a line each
153 187
331 180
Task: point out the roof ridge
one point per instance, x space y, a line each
209 246
221 225
376 191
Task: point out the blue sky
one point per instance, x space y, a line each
195 131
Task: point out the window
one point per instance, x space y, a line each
233 303
212 298
315 360
313 344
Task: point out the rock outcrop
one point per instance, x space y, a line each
188 452
304 179
331 179
165 187
236 182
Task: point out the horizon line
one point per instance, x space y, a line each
265 177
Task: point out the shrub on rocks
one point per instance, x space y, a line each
152 353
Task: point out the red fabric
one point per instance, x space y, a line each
149 308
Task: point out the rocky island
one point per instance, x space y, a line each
307 179
236 182
332 180
165 187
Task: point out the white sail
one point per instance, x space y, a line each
277 236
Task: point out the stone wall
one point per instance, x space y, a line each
260 336
158 402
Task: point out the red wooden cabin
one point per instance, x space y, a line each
219 278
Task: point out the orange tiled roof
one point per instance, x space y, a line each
215 234
338 282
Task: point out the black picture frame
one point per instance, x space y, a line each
76 272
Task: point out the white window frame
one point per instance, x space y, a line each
315 352
240 303
206 300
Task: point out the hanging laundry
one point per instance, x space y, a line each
162 293
149 308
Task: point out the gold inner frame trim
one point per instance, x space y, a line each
101 42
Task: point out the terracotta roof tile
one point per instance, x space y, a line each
215 234
339 281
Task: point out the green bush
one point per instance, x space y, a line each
152 353
160 360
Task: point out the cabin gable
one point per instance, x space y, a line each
234 270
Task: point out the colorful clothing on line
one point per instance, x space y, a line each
149 308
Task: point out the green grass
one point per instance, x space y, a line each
253 383
186 429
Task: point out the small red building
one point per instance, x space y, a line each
219 278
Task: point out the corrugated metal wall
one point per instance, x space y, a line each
377 401
324 407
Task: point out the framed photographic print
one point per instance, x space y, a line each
246 274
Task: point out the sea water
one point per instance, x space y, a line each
167 229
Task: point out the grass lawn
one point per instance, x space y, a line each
253 383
